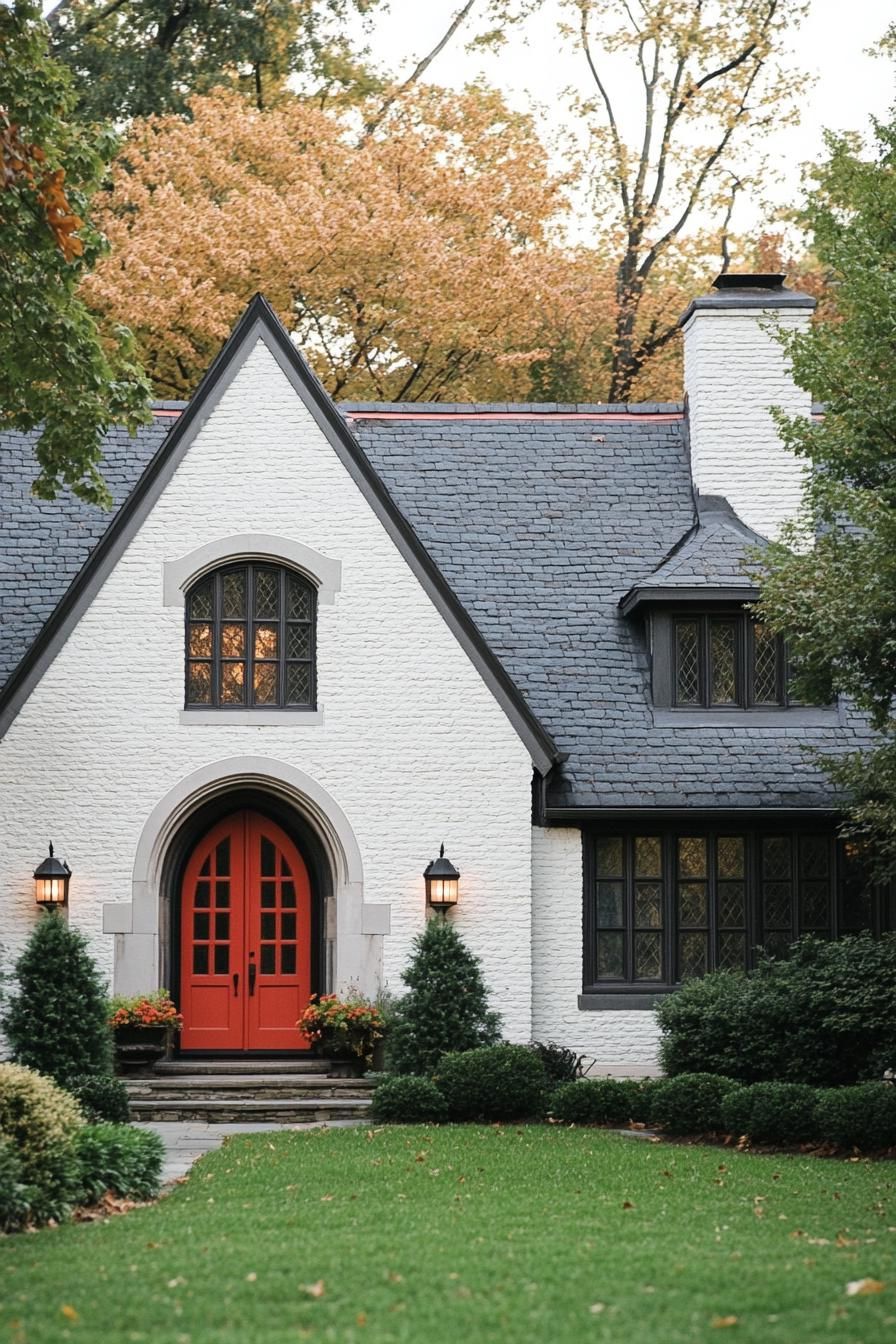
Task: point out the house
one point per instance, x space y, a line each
314 642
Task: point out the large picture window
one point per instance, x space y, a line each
665 905
250 636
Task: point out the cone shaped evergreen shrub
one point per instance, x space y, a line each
57 1022
446 1007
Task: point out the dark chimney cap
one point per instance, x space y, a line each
731 281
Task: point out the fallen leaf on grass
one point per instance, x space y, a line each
314 1289
252 1277
722 1322
361 1318
627 1204
862 1287
597 1307
69 1313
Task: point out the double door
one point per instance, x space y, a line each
245 939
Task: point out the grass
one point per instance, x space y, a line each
440 1235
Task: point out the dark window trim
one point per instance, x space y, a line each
251 568
664 658
627 991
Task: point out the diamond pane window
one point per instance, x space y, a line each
723 663
687 663
250 639
766 664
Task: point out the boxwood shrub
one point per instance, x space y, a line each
690 1103
601 1101
858 1117
14 1205
101 1097
560 1064
825 1015
495 1082
41 1121
408 1099
772 1112
119 1158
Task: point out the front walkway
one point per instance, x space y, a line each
185 1142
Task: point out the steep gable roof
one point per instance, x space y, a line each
260 322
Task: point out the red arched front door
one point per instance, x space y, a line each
245 939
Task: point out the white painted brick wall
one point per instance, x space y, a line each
413 747
621 1041
734 371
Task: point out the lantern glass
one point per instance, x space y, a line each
442 882
51 881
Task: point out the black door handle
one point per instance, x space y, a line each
251 978
236 983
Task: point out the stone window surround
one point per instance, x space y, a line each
179 575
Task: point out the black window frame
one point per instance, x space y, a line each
841 874
249 620
744 661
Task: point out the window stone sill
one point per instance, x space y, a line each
622 1001
254 718
813 716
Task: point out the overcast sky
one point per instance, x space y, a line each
831 45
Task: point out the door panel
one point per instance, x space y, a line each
245 939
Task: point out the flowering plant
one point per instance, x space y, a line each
342 1027
145 1010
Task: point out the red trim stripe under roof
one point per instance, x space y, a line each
514 415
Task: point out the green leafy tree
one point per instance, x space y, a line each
830 587
57 1023
446 1007
56 370
134 58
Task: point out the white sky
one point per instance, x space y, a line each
830 45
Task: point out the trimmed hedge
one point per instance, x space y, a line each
858 1117
824 1015
495 1082
407 1099
14 1205
772 1112
602 1101
119 1158
101 1097
690 1103
560 1064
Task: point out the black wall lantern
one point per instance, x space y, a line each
442 882
51 881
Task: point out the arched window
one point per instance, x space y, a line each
251 639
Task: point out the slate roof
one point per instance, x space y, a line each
541 518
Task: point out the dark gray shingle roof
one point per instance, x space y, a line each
541 519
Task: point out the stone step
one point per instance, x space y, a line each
244 1110
248 1087
236 1064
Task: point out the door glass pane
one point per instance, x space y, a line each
687 663
268 858
206 866
200 926
222 895
288 896
269 926
222 927
268 959
222 858
610 964
269 894
288 959
203 894
287 927
723 662
222 959
200 959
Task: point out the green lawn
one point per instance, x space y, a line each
464 1235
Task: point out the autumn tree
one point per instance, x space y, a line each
410 266
56 371
711 85
829 586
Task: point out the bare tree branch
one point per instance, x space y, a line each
584 11
419 70
726 223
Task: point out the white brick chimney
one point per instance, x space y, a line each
734 371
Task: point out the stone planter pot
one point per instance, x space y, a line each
347 1067
141 1047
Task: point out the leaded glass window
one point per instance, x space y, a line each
250 639
726 661
673 904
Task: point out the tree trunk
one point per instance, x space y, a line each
627 358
